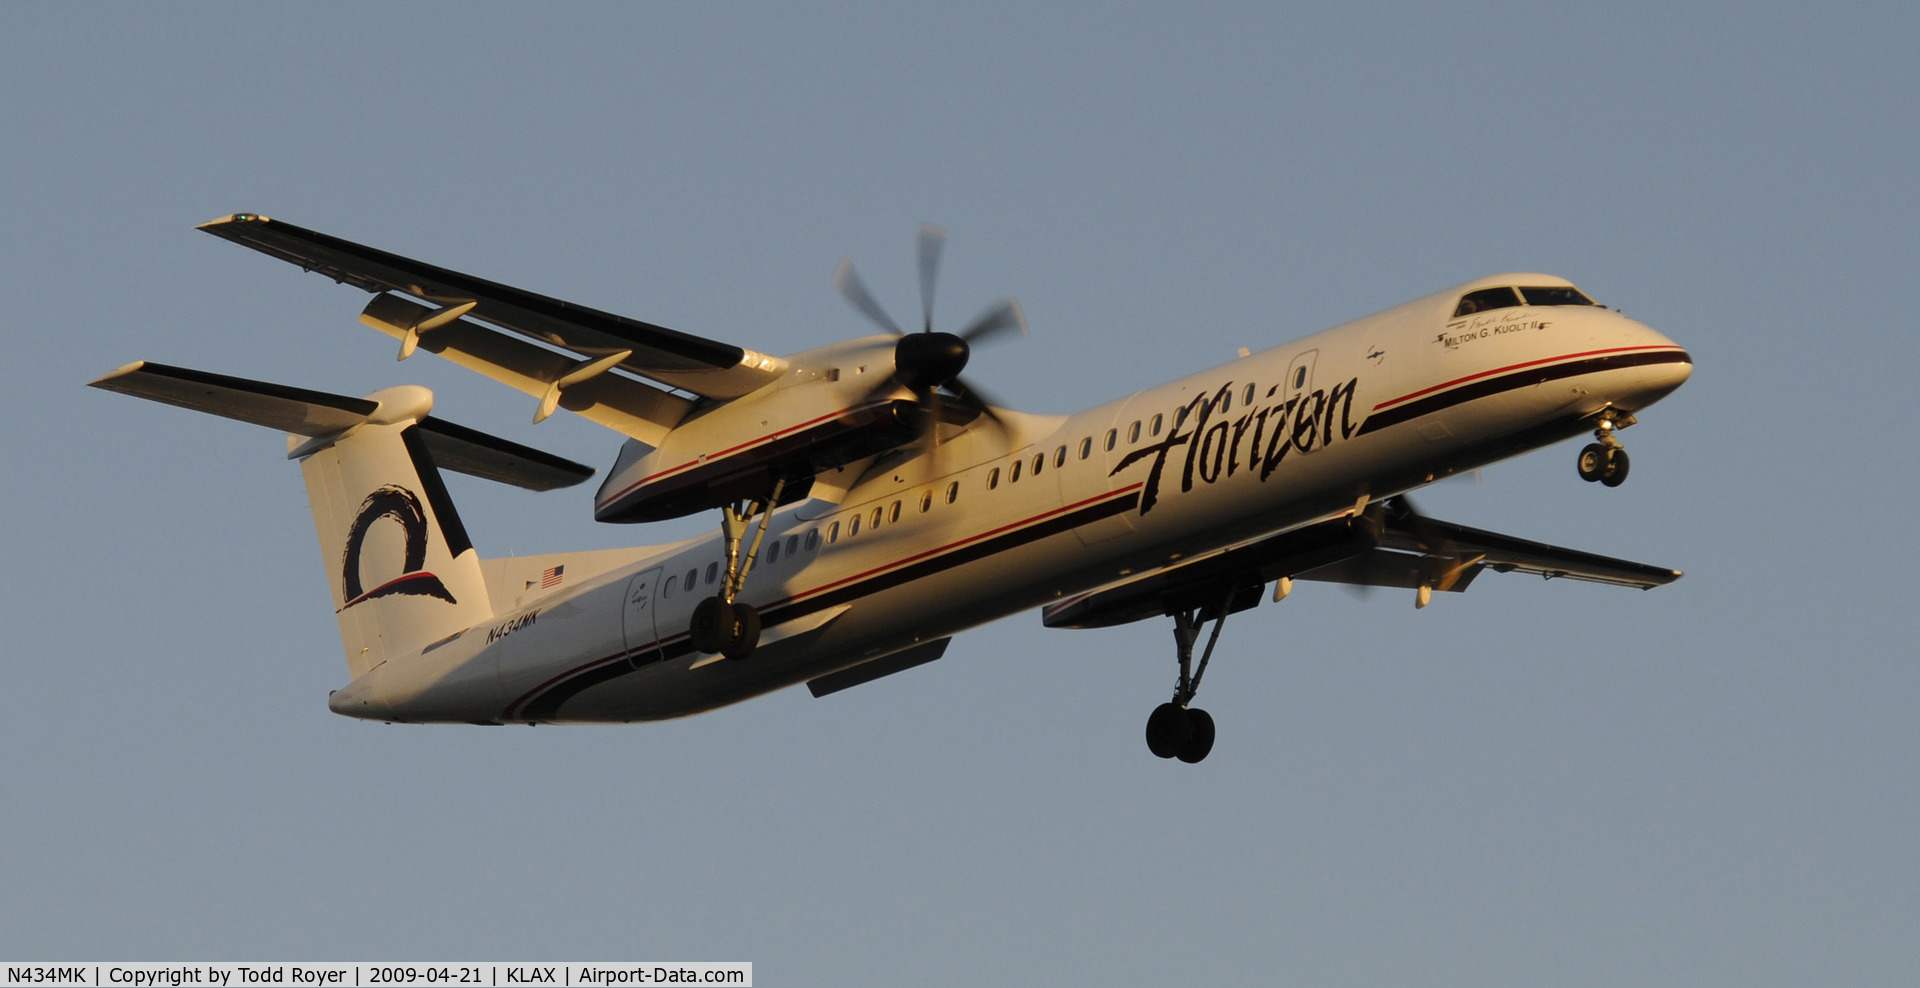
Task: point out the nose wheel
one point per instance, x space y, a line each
1605 460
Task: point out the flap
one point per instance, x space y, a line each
679 360
629 407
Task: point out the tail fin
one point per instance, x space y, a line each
402 570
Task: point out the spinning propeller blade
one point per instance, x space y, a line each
927 246
928 361
851 288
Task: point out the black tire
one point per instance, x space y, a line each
745 632
1616 469
1201 741
709 627
1592 462
1168 730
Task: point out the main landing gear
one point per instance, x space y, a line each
722 623
1176 730
1605 460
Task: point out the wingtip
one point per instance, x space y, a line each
233 218
118 372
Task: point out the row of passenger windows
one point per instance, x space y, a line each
1505 298
846 528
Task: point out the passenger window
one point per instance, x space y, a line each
1133 433
1247 397
993 478
813 539
1154 429
1086 447
894 515
793 544
713 573
833 533
1013 472
1180 417
853 526
1039 460
1226 400
693 577
1555 296
1060 457
1485 299
874 522
1113 436
773 552
953 492
1300 377
672 581
926 501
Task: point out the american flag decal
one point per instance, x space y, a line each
550 577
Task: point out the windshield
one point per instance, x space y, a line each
1555 296
1484 299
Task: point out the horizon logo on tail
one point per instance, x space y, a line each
403 506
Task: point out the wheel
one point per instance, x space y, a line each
1616 469
708 629
744 632
1592 462
1168 730
1201 741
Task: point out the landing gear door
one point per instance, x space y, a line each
637 621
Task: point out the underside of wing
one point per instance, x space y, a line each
678 360
1387 546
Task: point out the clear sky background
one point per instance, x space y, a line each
1532 783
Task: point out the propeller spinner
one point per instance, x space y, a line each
927 361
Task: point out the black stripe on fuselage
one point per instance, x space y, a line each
1519 379
547 704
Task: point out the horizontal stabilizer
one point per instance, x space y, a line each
318 414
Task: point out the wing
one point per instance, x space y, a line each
678 360
1382 548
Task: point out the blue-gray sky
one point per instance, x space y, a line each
1713 783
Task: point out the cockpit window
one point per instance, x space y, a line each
1484 299
1555 296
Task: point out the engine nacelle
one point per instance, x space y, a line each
833 410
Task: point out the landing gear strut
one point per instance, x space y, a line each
1176 730
722 623
1605 460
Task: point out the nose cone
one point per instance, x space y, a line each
1660 364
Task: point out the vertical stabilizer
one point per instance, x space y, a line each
398 560
402 571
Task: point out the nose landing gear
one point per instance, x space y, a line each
1605 460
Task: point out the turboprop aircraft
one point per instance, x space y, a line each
872 504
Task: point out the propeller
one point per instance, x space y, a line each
929 361
1447 563
1441 558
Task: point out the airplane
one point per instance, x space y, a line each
873 504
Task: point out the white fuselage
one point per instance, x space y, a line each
1268 442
